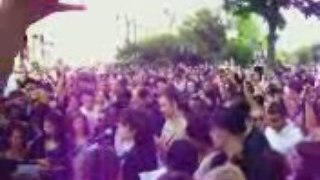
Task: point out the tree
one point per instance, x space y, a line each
248 40
270 11
205 34
201 37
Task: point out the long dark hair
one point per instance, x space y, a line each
57 120
73 118
138 121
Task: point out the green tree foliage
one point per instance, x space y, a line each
249 39
303 55
205 34
270 11
201 37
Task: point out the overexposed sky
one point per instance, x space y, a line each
96 32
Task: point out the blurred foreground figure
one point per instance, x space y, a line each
15 17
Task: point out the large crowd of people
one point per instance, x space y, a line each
172 122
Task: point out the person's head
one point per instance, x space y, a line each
73 102
198 131
276 114
257 73
16 137
140 96
257 118
162 84
172 175
294 88
227 125
191 87
100 97
168 103
79 125
182 156
87 100
51 123
134 126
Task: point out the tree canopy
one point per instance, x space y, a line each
270 11
201 37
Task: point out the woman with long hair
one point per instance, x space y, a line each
135 144
79 135
49 150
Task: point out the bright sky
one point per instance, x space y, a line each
96 33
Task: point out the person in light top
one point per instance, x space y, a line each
281 134
88 110
175 123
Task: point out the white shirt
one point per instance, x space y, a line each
12 84
92 116
284 140
173 129
153 175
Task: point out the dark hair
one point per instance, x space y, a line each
296 85
309 151
198 127
171 94
172 175
277 107
259 70
259 100
182 156
17 127
78 115
139 122
231 119
57 120
277 165
273 89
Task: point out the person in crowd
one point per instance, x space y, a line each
293 101
282 134
135 144
181 157
305 161
79 138
228 135
122 120
17 144
175 122
88 110
49 150
72 105
198 134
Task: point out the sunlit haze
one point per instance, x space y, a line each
94 34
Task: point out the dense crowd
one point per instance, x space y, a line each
173 122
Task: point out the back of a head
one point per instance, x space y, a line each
225 172
182 156
231 119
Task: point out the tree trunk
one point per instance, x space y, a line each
272 38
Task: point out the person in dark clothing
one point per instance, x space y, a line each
49 150
183 157
228 128
135 144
